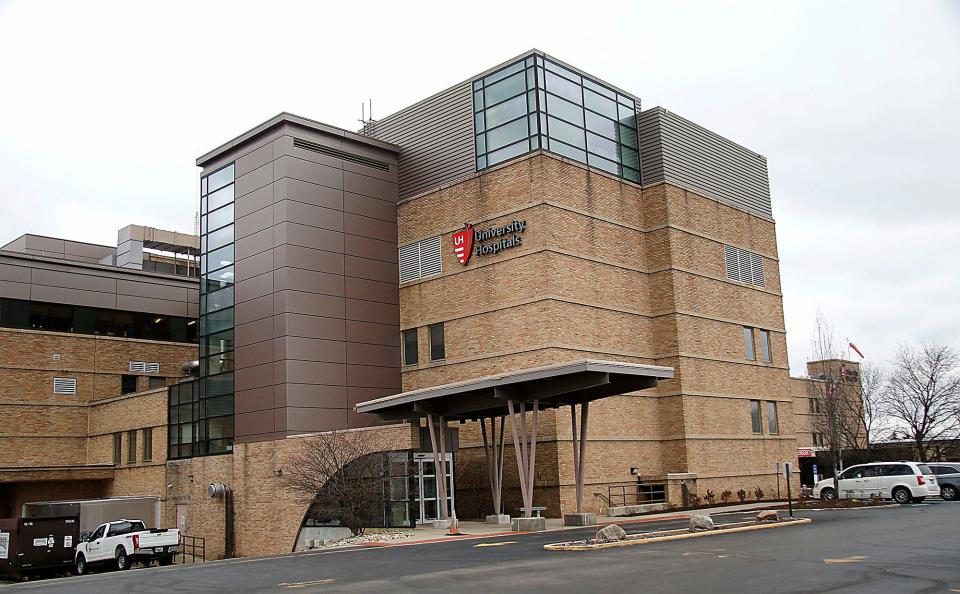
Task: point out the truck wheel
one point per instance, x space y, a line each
123 561
81 564
165 560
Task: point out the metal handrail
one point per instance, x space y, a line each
647 490
195 544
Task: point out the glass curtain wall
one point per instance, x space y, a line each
214 420
535 103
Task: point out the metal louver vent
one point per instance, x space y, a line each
144 367
430 256
65 385
420 259
744 266
332 152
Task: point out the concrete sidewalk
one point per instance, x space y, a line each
426 534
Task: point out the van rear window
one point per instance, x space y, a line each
924 469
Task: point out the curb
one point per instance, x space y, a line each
642 541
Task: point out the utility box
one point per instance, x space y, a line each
93 512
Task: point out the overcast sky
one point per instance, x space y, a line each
105 106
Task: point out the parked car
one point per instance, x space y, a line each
125 542
948 477
901 481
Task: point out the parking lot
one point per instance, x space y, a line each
911 548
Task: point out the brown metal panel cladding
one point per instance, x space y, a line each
373 249
315 419
307 171
156 289
254 423
153 306
310 281
356 395
371 354
17 274
45 244
314 372
254 159
14 290
75 280
309 259
254 400
254 201
371 290
370 207
258 353
255 376
372 333
253 222
369 186
389 176
251 332
369 311
255 309
313 349
256 179
310 303
73 296
86 251
311 326
308 193
367 376
308 214
435 138
370 269
367 227
251 288
311 237
307 395
255 265
254 244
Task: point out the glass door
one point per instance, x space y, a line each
426 485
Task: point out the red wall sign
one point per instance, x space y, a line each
805 453
463 244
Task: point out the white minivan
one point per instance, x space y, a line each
904 482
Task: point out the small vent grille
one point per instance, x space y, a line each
144 367
332 152
743 266
65 385
420 259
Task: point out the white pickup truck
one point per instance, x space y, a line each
125 542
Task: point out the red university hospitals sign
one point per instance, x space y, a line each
805 453
463 244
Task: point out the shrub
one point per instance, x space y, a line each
742 495
710 497
726 496
758 493
694 500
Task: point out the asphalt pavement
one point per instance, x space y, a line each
910 548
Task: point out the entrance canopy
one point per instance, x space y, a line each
571 383
510 396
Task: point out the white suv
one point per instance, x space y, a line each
901 481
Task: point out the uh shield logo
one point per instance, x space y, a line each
463 244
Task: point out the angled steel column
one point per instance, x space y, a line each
582 458
576 456
494 460
533 459
518 452
441 488
500 466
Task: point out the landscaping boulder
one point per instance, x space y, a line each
611 533
701 523
768 515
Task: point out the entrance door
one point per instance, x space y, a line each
182 518
426 484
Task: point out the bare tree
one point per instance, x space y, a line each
923 395
872 420
343 473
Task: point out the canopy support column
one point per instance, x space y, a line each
526 457
493 448
439 463
579 449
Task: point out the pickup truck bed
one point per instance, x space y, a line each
125 542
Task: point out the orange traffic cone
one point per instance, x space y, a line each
454 526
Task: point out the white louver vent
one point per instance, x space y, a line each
420 259
65 385
144 367
744 266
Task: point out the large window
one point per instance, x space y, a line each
765 346
755 420
410 354
437 346
148 444
201 412
132 446
117 444
535 103
773 427
749 351
37 315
